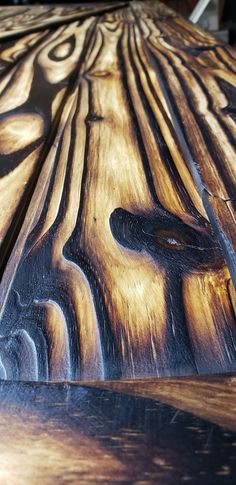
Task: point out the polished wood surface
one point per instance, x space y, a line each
120 266
117 247
210 397
66 433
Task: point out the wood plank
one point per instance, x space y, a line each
203 104
210 397
67 433
116 273
196 73
32 95
15 20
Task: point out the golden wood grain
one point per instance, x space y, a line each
15 20
197 75
12 51
32 95
116 272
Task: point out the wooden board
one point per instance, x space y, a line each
117 250
196 73
210 397
65 433
116 272
15 20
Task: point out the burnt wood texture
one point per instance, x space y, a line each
67 433
117 195
14 21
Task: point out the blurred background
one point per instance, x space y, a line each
219 17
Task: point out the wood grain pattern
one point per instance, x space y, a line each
15 20
64 433
117 254
197 75
32 96
12 51
116 272
150 8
